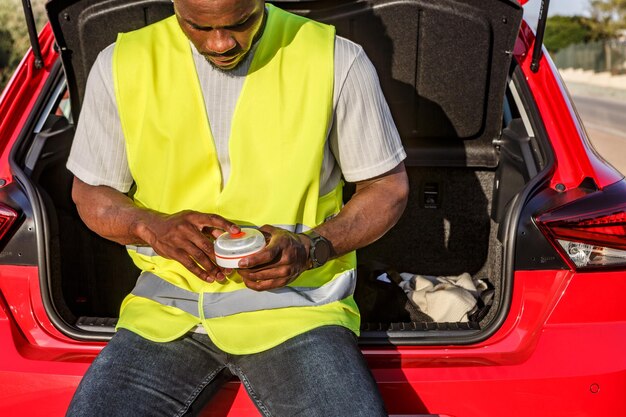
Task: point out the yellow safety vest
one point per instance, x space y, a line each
276 145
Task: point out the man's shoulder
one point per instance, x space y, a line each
103 65
346 47
107 53
348 55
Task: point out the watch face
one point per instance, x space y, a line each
320 252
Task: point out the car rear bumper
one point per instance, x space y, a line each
559 353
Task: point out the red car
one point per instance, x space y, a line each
505 186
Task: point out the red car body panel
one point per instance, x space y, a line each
558 353
523 367
576 159
19 96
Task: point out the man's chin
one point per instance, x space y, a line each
225 65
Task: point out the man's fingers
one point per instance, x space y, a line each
197 262
276 272
201 258
202 243
264 285
213 221
193 267
282 260
186 238
263 257
212 231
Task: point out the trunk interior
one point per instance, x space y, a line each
446 70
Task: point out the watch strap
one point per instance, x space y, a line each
316 258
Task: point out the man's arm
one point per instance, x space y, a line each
181 236
375 207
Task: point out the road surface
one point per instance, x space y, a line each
605 121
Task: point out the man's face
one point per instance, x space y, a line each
221 30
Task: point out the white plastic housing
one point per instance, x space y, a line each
230 249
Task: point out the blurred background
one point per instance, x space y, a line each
585 38
14 36
587 42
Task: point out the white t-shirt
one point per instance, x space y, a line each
363 141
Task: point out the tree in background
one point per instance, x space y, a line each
562 31
610 15
14 40
6 48
607 18
590 43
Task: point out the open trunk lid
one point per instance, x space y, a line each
443 65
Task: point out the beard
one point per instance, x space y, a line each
231 72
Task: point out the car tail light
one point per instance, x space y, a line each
7 218
590 232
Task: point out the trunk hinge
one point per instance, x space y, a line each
32 33
541 28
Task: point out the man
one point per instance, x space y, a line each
235 113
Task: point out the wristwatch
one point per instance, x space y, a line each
320 250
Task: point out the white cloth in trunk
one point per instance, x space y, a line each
445 299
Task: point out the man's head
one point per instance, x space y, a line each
221 30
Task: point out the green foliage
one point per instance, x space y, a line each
610 14
562 31
6 47
14 40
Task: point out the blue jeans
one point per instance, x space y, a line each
319 373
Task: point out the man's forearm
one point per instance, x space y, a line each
109 213
375 207
179 236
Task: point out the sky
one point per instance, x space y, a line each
560 7
569 7
557 7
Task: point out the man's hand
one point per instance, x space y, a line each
284 258
375 207
184 237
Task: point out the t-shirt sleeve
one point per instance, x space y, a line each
98 154
364 138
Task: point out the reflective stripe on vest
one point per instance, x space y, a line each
222 304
